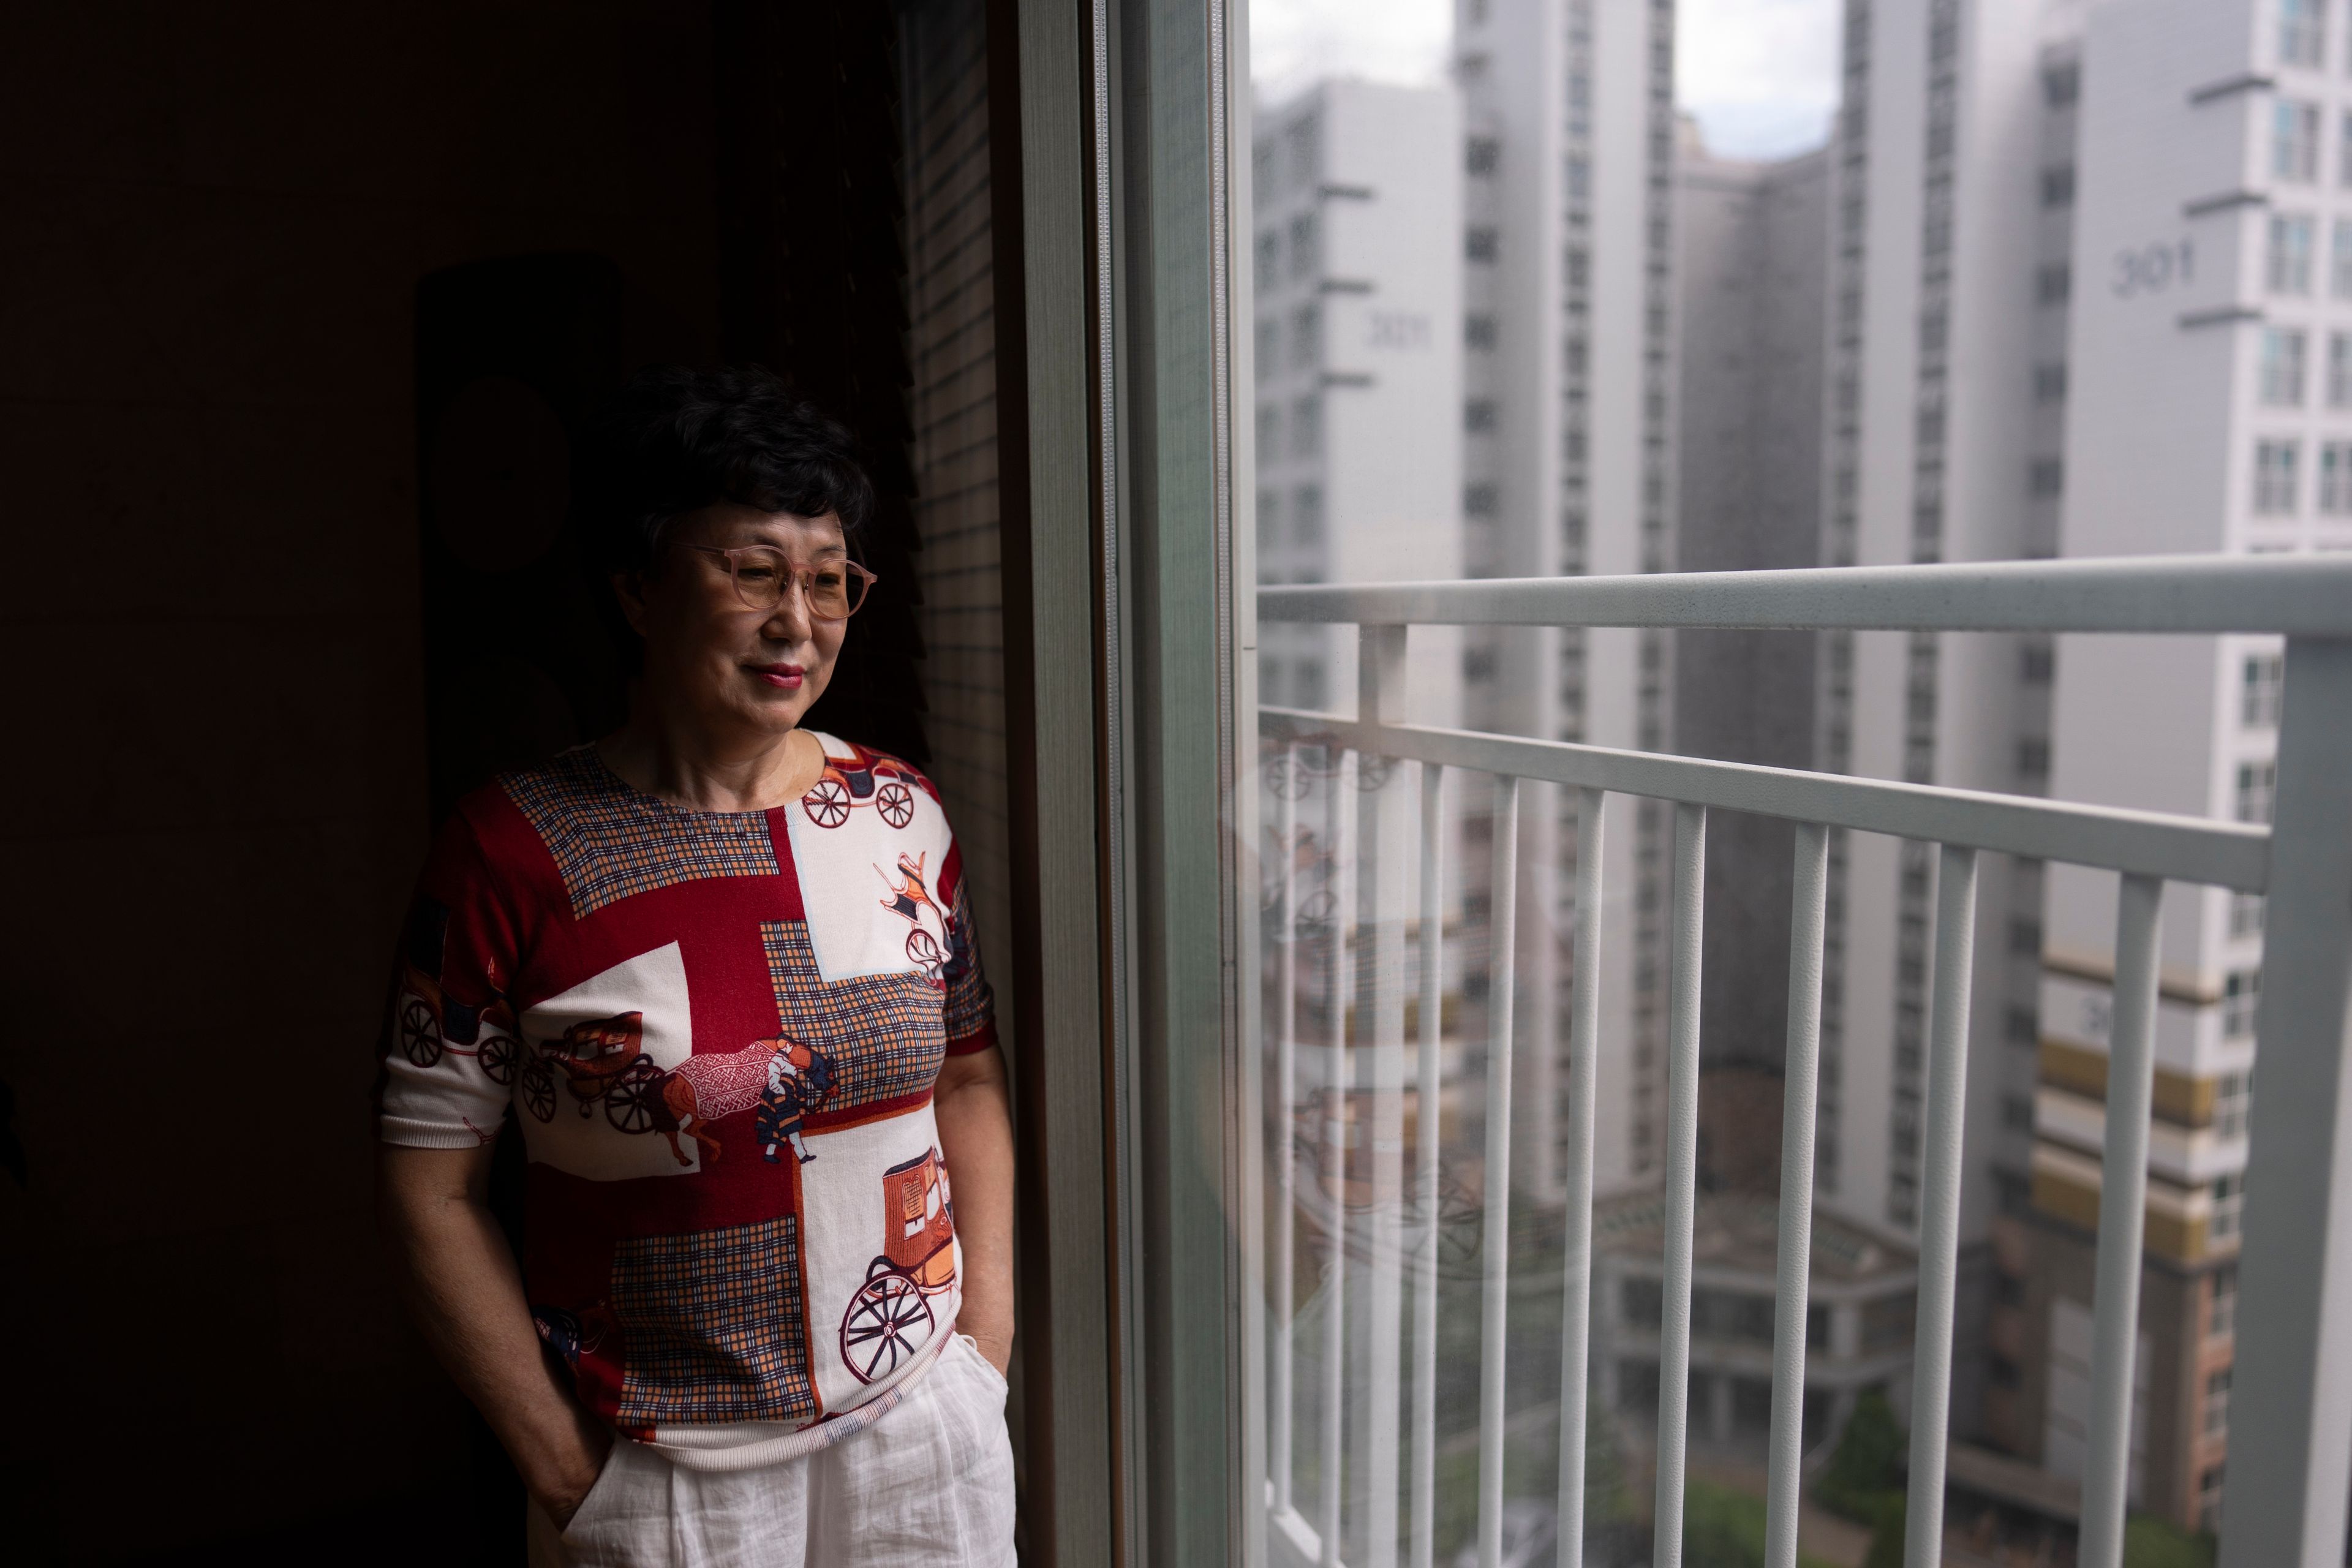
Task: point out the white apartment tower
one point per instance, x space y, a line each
1569 469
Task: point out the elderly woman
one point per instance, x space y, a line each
721 969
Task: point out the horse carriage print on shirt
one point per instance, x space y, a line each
890 1316
430 1024
601 1062
852 781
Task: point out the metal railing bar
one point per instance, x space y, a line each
1940 1207
1285 1079
1688 928
1333 1156
2155 594
1494 1260
1800 1085
1425 1157
2173 848
2123 1199
1583 1063
1380 1122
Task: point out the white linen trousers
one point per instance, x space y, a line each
929 1485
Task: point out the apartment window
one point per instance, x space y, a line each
1478 416
2208 1502
2025 936
2229 1207
1478 332
1480 245
1306 515
2289 269
2302 32
2257 791
2054 283
1307 426
1302 138
2221 1305
2242 993
2339 369
2294 141
1269 257
2046 478
1306 337
2058 185
2217 1403
2022 1025
1269 343
1480 501
2037 663
2050 383
2335 477
1269 432
2259 688
1483 153
2033 758
2062 85
2281 367
1270 515
2016 1113
2339 260
2245 914
2233 1101
1304 260
2274 478
2344 150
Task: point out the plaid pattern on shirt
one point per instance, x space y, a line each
882 1032
713 1320
609 841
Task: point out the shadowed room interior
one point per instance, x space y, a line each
302 313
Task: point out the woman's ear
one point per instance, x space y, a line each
629 592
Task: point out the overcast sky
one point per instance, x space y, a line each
1760 75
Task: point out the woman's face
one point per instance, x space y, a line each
738 673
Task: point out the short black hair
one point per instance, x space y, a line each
676 439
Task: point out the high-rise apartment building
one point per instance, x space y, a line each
1568 389
2208 381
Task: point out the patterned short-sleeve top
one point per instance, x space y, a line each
719 1033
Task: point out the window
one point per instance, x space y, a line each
2245 914
1479 501
1480 245
2302 32
2339 369
1306 337
2335 477
2025 936
1270 515
1483 153
2339 260
2344 150
1269 257
2054 283
2221 1305
1478 416
2217 1403
2033 758
2260 690
2233 1101
1478 332
2281 367
1269 433
1307 426
2045 478
2058 185
2274 478
2050 383
2062 85
2257 791
2229 1207
2242 992
2208 1502
1306 515
2016 1113
1304 260
2022 1026
2294 141
2289 270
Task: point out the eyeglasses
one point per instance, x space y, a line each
832 591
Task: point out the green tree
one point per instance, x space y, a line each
2152 1542
1868 1462
1886 1540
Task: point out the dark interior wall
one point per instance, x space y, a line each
216 222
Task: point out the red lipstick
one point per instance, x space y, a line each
786 676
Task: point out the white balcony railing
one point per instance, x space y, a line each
2291 1447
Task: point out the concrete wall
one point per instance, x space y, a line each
216 220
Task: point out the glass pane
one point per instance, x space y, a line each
1542 288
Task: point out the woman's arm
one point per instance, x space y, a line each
976 1136
458 1277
